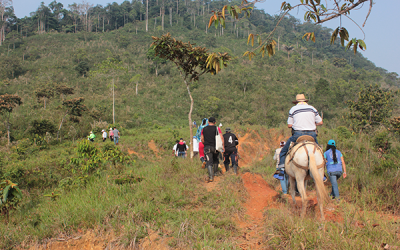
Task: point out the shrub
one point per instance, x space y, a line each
10 196
381 141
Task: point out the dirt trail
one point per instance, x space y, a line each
153 147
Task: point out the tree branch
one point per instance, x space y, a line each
369 12
343 11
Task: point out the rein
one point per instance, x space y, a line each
303 144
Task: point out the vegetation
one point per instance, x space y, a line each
65 66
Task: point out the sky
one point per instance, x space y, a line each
381 30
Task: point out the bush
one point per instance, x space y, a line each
381 141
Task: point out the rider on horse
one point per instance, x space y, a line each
303 120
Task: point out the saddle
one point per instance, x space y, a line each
301 142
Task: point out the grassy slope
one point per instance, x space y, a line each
249 92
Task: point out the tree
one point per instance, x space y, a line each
156 60
315 11
136 79
323 94
288 49
4 4
64 90
74 108
7 104
41 127
191 63
112 67
373 107
44 94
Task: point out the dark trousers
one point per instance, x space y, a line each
212 160
294 137
230 156
211 155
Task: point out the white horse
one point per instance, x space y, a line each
305 161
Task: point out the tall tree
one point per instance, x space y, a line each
373 107
191 63
110 67
4 4
7 104
44 93
74 108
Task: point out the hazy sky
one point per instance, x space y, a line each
382 31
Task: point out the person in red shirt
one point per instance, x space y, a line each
201 154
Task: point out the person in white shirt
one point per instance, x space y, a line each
174 151
195 146
303 120
104 135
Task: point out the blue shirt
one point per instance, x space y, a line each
330 165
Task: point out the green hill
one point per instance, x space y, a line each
70 186
246 92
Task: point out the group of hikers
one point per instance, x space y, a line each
113 135
303 120
212 146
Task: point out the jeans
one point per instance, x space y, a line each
293 138
284 183
333 177
182 154
232 156
116 140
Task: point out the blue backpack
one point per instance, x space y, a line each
200 128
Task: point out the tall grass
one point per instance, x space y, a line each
171 198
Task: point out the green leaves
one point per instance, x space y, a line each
10 196
373 107
219 17
309 35
356 44
342 32
192 61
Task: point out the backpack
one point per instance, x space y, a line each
201 126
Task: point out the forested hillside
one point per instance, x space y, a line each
62 67
42 55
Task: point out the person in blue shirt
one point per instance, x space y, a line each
335 166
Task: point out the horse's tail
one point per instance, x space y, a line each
319 184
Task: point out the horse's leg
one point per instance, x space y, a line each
292 191
300 187
320 200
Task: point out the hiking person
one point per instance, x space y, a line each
280 173
181 148
194 124
335 167
201 155
104 135
303 120
208 137
174 151
116 135
91 136
230 142
203 124
195 146
111 134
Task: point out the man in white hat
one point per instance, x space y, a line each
303 120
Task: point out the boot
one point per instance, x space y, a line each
235 168
210 173
226 167
215 169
